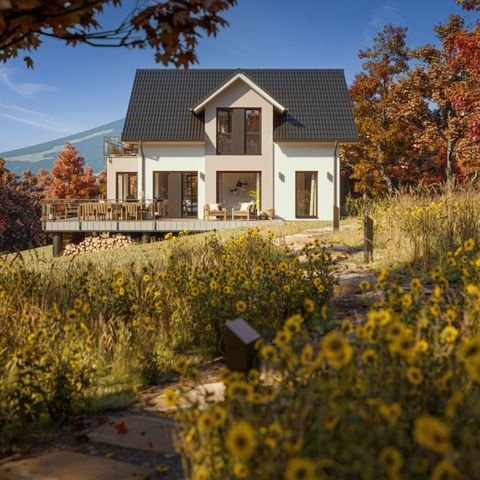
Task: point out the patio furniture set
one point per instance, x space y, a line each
246 211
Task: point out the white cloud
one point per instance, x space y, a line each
387 13
24 89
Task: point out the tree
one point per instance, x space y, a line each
171 28
20 222
69 178
465 48
383 150
434 82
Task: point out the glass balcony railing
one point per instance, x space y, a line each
113 146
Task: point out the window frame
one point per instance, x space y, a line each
245 134
118 174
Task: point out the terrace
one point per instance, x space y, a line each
68 216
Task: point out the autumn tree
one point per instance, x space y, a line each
465 55
435 79
69 178
170 28
384 149
20 222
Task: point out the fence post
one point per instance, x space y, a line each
240 340
368 239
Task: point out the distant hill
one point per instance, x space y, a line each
43 155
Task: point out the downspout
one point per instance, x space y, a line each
142 183
336 208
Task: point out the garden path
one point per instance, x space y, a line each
136 443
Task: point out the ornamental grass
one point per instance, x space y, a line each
393 397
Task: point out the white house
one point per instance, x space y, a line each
210 136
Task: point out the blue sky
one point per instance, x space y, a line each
74 89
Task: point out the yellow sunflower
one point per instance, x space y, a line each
414 375
433 434
241 441
300 469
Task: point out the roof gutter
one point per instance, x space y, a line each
336 190
142 182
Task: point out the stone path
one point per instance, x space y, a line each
137 443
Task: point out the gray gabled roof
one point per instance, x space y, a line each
317 101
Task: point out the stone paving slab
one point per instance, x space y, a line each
137 432
199 396
62 465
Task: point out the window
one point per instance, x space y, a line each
126 186
238 131
306 194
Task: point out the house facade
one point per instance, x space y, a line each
269 137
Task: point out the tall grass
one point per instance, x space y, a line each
422 225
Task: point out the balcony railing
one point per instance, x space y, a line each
99 209
113 146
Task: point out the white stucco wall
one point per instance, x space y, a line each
170 157
297 157
119 164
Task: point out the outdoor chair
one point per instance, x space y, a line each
215 210
246 210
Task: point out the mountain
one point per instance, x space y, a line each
89 143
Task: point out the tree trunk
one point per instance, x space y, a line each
383 171
450 160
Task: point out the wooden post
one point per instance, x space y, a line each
57 244
240 340
368 239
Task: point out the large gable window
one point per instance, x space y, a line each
238 131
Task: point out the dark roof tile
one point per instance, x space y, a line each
317 101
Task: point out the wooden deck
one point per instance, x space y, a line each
150 226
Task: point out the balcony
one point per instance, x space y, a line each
114 147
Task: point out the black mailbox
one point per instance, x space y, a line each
240 340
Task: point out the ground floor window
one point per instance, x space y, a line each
176 194
306 192
234 188
126 186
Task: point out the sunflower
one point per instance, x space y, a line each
282 337
407 300
446 470
240 470
201 473
239 390
294 323
391 458
77 303
282 266
268 354
72 314
470 349
306 354
336 349
206 422
240 306
414 375
395 330
309 305
469 245
181 365
432 433
300 469
369 357
347 327
170 397
241 441
449 334
415 284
